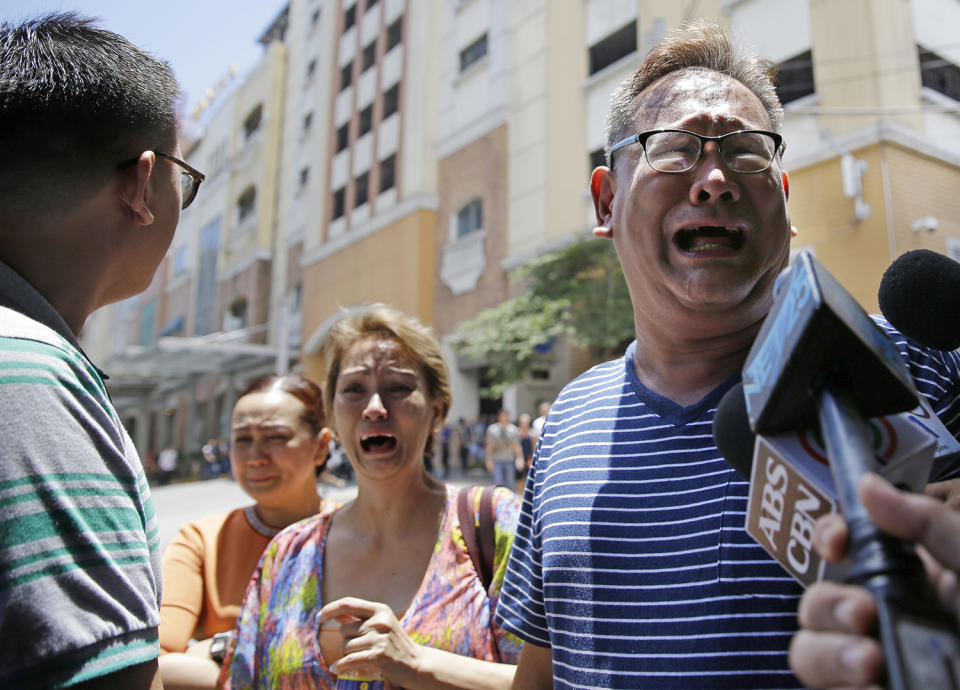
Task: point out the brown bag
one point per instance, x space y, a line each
480 537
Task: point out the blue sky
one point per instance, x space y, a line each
199 38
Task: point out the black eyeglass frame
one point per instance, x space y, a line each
778 147
197 176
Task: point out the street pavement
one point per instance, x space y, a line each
184 501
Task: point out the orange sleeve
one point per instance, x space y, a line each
182 588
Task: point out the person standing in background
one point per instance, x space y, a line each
503 453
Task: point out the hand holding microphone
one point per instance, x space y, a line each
820 362
833 648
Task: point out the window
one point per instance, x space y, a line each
608 50
346 75
366 120
939 74
362 189
307 122
252 122
339 202
236 316
470 218
391 101
369 56
343 136
304 177
597 158
315 17
473 52
246 204
371 3
349 17
387 171
395 33
311 68
795 78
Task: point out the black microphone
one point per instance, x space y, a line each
819 359
920 296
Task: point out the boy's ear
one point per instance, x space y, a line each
135 190
603 186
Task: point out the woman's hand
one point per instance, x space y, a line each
374 642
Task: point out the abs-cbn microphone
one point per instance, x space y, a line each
790 481
820 360
788 491
920 297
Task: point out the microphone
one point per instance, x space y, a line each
783 503
790 481
820 360
920 296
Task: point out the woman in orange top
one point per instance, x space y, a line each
279 445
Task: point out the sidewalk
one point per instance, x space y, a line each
184 501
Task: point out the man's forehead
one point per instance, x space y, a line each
698 94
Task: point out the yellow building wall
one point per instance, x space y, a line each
393 265
901 186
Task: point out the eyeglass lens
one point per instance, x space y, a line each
188 189
743 152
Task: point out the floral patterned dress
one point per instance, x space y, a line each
277 642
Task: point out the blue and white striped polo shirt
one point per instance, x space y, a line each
631 560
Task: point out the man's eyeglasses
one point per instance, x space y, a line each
677 150
190 178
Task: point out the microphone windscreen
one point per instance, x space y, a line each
920 296
732 433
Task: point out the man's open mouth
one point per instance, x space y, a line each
708 237
376 443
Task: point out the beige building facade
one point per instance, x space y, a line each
415 152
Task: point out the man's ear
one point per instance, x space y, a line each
786 184
135 190
603 187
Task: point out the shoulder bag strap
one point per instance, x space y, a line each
481 542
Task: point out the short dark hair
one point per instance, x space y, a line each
700 44
304 390
75 100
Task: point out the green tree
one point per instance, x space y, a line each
577 293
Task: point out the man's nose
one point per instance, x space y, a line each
713 181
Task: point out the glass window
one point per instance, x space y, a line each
939 74
252 122
246 204
343 136
362 189
608 50
395 33
387 172
346 75
338 202
795 77
366 120
470 218
307 122
304 176
391 101
597 158
349 17
473 52
369 56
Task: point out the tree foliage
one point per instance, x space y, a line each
577 293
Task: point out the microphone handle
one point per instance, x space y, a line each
919 638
